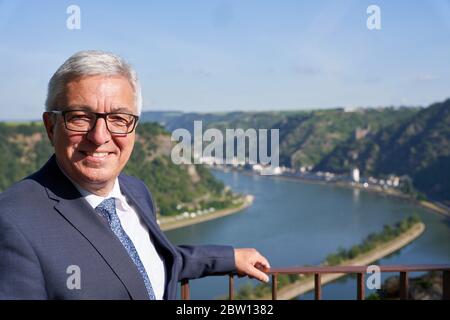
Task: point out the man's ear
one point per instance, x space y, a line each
49 123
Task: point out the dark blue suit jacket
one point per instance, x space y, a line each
46 226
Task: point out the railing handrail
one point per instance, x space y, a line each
359 270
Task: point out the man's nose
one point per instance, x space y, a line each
99 134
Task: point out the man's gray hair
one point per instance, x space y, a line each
90 63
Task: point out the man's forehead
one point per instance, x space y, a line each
86 93
101 82
75 106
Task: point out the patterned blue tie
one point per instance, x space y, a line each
107 208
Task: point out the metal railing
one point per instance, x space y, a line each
360 271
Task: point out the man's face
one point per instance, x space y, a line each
93 159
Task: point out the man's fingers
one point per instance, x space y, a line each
257 274
258 270
250 262
263 265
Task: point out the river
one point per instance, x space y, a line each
297 223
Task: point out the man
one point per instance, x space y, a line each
78 228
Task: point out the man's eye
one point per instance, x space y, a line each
79 118
119 120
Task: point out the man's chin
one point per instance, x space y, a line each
96 178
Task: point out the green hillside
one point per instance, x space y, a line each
418 147
305 140
413 142
306 137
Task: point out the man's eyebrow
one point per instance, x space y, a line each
89 108
121 109
78 107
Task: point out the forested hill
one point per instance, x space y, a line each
306 137
24 148
418 147
379 141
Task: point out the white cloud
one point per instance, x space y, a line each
425 77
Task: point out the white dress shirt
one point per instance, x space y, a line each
137 231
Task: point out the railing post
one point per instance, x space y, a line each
231 287
446 285
317 286
274 286
185 289
404 286
360 287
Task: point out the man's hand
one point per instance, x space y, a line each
251 263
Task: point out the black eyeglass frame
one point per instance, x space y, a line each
97 115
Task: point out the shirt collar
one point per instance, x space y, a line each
94 200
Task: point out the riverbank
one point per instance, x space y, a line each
434 206
304 285
426 204
171 223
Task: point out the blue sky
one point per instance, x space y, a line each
223 55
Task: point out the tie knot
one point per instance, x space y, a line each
107 208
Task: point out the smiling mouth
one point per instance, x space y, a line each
97 155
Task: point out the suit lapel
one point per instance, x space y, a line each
82 217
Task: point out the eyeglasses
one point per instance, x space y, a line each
85 121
